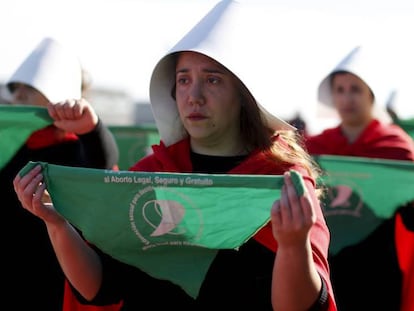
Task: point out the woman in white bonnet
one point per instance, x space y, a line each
50 77
373 274
354 88
209 119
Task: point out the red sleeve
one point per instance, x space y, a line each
387 141
71 303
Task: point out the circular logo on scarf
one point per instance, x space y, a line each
349 219
165 216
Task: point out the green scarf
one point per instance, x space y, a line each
169 225
361 194
17 123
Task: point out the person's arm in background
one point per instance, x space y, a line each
100 147
98 143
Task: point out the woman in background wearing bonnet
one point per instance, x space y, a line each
51 77
374 274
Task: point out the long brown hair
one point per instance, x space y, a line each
290 149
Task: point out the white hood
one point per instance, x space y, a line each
52 70
225 35
368 65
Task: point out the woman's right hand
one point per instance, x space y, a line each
74 115
32 194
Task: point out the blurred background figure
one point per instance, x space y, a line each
369 275
401 113
390 106
4 95
86 83
51 77
299 123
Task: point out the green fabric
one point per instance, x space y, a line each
361 194
407 125
17 123
167 224
134 142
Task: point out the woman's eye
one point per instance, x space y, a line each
338 90
213 80
181 80
356 90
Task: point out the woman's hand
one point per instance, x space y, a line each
32 194
293 215
73 115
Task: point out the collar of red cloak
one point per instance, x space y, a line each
48 136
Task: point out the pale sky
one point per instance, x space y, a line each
120 41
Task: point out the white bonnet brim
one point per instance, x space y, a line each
51 69
220 34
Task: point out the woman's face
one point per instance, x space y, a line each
352 99
208 103
23 94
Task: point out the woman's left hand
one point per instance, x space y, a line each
292 216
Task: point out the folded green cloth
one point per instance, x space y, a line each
169 225
407 125
361 194
17 123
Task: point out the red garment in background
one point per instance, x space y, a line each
385 141
49 136
405 253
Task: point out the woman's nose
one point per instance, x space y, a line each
196 94
349 97
345 97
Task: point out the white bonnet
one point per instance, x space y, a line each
221 34
51 69
370 66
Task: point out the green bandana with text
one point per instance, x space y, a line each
169 225
361 194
